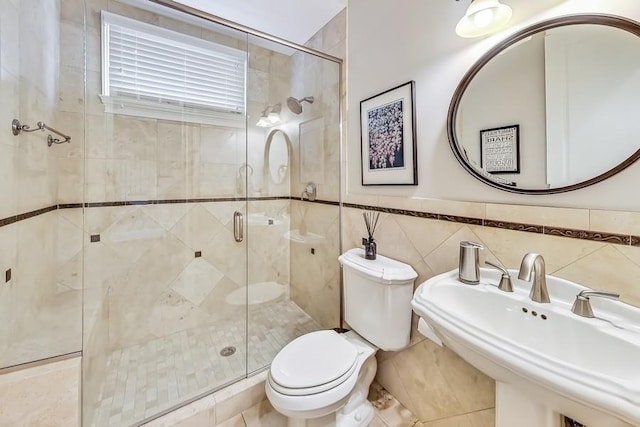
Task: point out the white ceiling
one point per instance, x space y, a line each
293 20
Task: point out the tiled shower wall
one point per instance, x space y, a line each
136 275
315 272
40 307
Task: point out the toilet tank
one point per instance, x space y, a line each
377 298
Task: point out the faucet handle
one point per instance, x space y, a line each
582 305
505 281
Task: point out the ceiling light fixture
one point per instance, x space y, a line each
483 17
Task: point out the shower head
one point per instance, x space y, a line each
295 105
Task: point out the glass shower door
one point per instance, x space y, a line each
293 139
165 260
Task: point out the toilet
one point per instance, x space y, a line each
327 373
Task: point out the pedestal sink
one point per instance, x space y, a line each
546 360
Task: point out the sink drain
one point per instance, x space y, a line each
227 351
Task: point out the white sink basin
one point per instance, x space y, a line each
588 369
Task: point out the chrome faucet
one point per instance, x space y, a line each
534 263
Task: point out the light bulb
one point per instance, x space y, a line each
483 18
263 122
274 118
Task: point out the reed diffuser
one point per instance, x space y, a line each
371 221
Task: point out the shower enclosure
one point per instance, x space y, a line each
166 242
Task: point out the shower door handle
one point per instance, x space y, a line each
238 226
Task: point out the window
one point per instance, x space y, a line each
150 71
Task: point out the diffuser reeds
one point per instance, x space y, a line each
371 221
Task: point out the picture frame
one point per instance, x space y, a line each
500 149
388 137
311 137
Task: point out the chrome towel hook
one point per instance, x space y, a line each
17 127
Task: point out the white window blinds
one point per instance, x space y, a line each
164 70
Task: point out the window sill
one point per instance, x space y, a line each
132 107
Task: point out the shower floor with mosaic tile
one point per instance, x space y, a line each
146 379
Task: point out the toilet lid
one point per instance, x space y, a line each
313 359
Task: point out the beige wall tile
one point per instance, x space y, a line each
197 228
486 418
400 203
615 221
95 180
435 387
202 412
133 12
133 138
510 247
72 39
237 421
130 179
452 207
70 238
388 376
631 252
263 415
426 234
315 278
8 179
72 11
99 128
239 397
71 90
179 26
45 395
10 30
607 269
540 215
167 215
446 256
70 180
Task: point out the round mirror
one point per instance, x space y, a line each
276 156
554 108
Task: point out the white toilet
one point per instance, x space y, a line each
326 372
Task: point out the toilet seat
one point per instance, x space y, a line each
313 363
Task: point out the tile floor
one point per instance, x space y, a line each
146 379
389 413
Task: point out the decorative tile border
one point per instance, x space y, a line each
417 214
20 217
617 239
462 219
26 215
596 236
530 228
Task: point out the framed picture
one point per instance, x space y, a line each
388 137
500 149
311 138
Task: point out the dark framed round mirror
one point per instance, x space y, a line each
553 108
